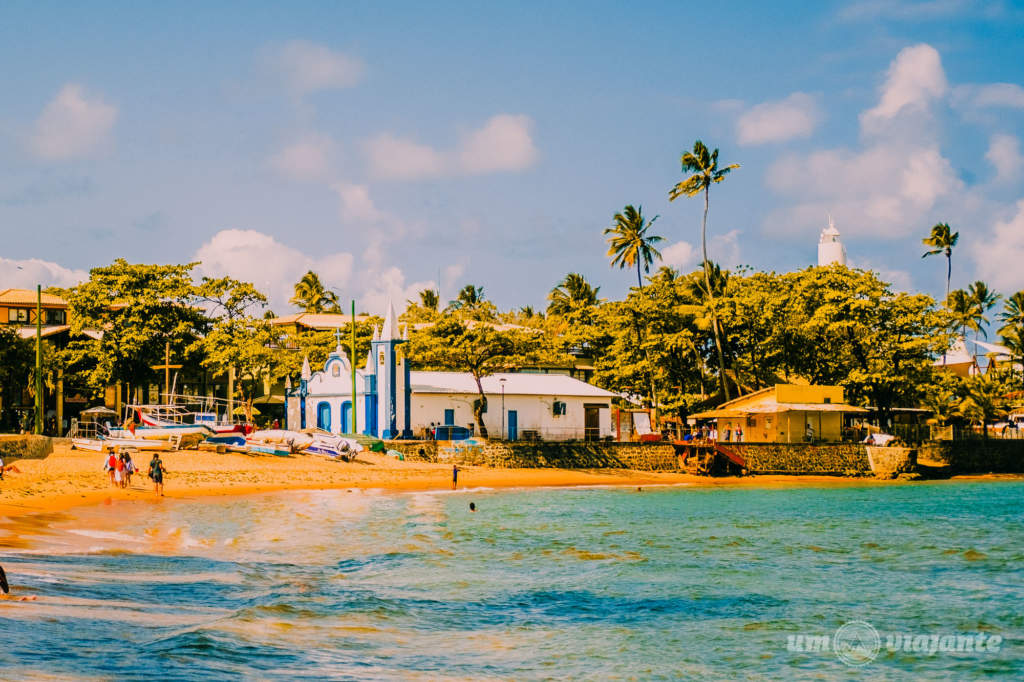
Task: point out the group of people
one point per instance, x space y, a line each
120 467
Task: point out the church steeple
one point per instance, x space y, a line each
830 249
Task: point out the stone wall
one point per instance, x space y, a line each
803 458
14 447
530 454
977 456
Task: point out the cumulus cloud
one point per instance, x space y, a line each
27 273
793 117
73 124
307 67
1000 256
273 267
1004 155
306 159
914 80
873 10
356 204
681 255
988 96
503 143
387 284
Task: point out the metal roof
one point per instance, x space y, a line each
27 297
515 384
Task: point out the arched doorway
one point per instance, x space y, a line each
346 417
323 416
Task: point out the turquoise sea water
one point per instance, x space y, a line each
567 583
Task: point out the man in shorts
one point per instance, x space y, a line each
156 472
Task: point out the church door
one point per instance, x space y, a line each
323 416
346 417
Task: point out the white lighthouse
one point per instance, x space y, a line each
830 249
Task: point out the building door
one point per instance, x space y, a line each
323 416
513 425
591 422
449 417
346 417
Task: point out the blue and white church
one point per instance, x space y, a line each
393 402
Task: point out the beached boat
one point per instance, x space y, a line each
269 449
91 444
296 440
226 439
108 443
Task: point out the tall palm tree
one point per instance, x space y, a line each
469 297
572 293
313 297
704 170
1013 312
962 307
629 243
941 240
983 300
429 299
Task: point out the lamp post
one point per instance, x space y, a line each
502 382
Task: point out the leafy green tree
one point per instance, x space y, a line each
572 292
248 345
312 296
228 298
703 166
17 363
941 240
480 349
139 308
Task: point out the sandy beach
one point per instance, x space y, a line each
69 478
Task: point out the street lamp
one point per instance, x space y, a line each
502 382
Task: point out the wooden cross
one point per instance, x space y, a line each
167 367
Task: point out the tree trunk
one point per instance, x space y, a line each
478 408
711 297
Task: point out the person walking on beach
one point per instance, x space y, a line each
1 468
129 469
119 471
111 467
455 476
156 472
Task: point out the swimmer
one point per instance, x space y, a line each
472 506
3 581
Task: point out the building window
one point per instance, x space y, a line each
17 315
55 316
336 369
558 408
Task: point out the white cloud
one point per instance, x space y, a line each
681 255
72 124
307 67
394 158
390 283
873 10
795 116
27 273
271 266
724 249
915 79
1004 155
999 257
988 96
305 159
356 204
886 190
503 143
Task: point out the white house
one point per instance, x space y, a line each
391 401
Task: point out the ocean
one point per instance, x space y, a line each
595 583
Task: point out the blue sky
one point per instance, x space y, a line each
387 145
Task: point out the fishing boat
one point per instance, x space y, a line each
296 440
269 449
332 446
226 439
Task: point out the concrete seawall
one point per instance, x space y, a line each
530 454
14 446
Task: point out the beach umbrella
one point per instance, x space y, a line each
241 410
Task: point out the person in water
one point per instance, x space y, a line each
472 506
156 472
455 476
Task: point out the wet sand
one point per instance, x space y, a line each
69 478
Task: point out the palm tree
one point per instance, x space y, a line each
985 401
705 172
429 299
629 243
1012 316
572 293
942 241
469 297
983 299
312 297
962 307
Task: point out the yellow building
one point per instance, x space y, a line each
18 307
785 413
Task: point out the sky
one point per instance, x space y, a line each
393 146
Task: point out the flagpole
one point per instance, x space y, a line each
39 358
352 355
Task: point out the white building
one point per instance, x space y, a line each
394 402
830 249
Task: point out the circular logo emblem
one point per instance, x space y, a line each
856 643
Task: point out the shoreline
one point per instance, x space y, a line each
72 478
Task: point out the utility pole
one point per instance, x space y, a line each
167 367
352 355
39 359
